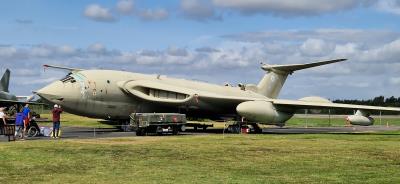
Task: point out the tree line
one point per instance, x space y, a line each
377 101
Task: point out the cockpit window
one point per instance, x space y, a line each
68 78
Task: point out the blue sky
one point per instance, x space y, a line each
210 40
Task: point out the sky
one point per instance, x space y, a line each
216 41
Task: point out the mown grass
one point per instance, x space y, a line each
324 122
316 158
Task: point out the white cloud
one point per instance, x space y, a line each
98 48
175 51
66 50
203 10
388 53
41 51
395 80
24 21
238 60
37 81
7 51
391 6
333 35
200 10
207 49
289 8
316 47
25 72
348 49
125 7
153 14
98 13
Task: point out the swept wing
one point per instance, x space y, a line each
298 104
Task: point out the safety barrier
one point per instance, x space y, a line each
9 131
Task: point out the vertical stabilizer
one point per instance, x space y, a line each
272 82
5 80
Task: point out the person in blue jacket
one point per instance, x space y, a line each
19 125
27 115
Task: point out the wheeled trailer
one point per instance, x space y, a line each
159 123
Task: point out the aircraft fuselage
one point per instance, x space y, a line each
103 94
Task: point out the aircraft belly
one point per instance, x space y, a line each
102 110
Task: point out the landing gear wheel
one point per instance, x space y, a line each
159 131
234 129
257 129
175 131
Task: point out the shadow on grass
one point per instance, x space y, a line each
109 122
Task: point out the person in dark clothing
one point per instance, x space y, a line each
56 120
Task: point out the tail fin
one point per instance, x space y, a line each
4 82
272 82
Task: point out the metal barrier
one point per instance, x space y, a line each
9 131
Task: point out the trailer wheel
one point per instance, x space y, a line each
140 132
175 130
159 131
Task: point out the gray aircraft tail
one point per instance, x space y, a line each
272 82
5 80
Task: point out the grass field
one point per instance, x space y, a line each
324 122
317 158
305 158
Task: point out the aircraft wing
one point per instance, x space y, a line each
2 101
298 104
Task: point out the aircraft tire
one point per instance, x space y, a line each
175 130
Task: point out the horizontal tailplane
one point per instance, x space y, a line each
293 67
272 82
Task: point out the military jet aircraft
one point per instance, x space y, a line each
5 96
8 99
114 95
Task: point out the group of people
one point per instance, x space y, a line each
23 118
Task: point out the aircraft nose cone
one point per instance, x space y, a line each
52 92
